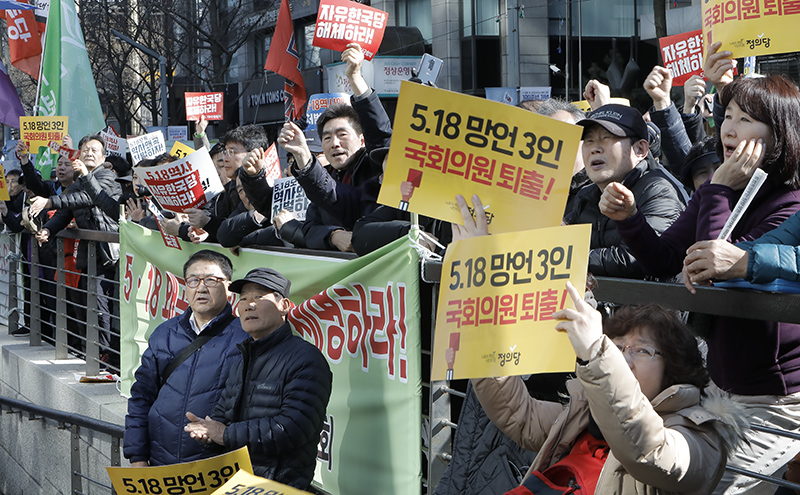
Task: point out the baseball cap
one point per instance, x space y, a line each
619 120
265 277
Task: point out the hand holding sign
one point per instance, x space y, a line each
719 66
693 90
473 226
583 325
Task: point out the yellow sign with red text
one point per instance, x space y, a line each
445 143
39 131
752 27
196 478
498 295
4 196
247 484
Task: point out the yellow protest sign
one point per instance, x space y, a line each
445 143
197 478
4 196
584 104
498 295
245 483
751 27
181 150
39 131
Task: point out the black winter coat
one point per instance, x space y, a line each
274 402
93 200
658 195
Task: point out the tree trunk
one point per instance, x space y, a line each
660 17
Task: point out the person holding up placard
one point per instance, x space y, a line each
348 135
238 143
642 415
759 360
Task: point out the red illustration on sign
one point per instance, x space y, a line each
340 22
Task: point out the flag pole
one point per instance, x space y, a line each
41 62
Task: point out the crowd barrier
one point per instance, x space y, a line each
373 318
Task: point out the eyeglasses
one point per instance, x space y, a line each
228 153
639 351
209 282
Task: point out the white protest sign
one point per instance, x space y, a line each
115 145
287 194
147 146
187 183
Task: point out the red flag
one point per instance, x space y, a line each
24 40
284 60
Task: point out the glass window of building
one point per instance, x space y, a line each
416 13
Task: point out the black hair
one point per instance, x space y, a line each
213 257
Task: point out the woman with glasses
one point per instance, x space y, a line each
641 417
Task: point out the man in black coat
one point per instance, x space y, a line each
347 188
93 200
615 149
274 399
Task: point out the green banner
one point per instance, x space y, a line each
68 86
363 314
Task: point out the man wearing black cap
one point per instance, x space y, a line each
615 149
274 399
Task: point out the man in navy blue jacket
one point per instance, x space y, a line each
275 398
159 400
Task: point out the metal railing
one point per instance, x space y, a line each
757 305
441 399
77 425
72 323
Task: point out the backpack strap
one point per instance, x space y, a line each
195 346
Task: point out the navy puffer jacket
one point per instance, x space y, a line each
274 402
157 415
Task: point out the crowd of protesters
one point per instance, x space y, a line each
654 187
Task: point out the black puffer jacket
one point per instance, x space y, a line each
274 402
93 200
485 461
658 195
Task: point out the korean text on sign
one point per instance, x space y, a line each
198 477
39 131
683 54
288 194
752 27
499 294
208 104
340 22
245 483
182 184
517 162
148 146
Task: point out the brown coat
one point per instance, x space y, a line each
673 445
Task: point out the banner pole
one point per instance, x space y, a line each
41 62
